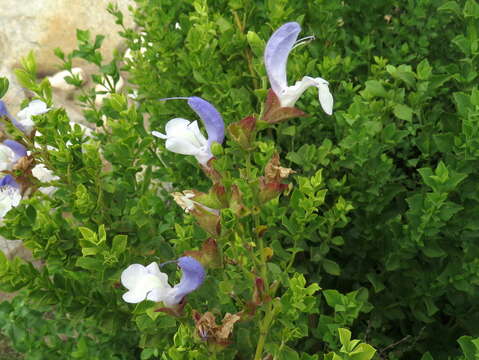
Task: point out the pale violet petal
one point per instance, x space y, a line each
214 124
276 54
18 149
191 279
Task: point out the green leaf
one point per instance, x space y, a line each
469 346
375 88
119 244
287 353
3 86
471 9
89 235
255 42
363 352
427 356
451 6
344 337
86 251
332 356
403 73
89 263
375 280
3 261
424 70
403 112
331 267
333 297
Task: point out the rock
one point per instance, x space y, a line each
58 80
43 25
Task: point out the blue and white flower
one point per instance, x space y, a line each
10 152
149 283
10 195
184 136
276 55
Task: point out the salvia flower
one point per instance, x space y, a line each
25 120
276 55
184 136
151 284
4 112
10 152
9 194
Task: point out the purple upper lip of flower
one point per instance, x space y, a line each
4 112
211 118
191 279
18 149
8 180
3 109
276 54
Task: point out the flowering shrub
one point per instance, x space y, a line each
340 224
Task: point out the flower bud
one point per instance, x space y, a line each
216 149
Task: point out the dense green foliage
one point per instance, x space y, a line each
378 231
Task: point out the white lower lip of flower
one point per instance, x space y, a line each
184 137
145 283
7 158
289 95
9 197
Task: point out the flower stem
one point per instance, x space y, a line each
247 52
264 328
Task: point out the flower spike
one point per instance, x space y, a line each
276 55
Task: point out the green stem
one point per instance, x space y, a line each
264 328
247 52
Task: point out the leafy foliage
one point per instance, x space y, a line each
376 231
